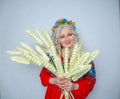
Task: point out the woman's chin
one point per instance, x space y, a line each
68 46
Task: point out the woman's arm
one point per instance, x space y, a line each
45 75
47 78
86 83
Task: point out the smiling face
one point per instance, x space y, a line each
66 37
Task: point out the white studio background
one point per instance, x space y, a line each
97 23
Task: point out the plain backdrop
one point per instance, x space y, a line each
97 22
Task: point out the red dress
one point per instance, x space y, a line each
86 84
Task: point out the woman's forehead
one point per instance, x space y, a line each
65 30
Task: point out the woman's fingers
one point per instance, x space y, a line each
68 86
64 84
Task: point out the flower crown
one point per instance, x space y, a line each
63 21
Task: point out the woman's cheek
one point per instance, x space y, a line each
61 41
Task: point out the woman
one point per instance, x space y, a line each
64 36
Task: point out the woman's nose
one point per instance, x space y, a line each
66 38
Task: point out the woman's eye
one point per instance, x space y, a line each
70 34
61 37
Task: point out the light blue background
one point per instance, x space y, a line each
97 23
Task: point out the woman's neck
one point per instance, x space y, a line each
63 52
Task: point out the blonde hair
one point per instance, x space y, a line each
55 36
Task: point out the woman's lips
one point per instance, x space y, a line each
67 43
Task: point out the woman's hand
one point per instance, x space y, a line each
64 84
70 86
58 82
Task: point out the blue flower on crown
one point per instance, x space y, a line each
64 20
56 23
